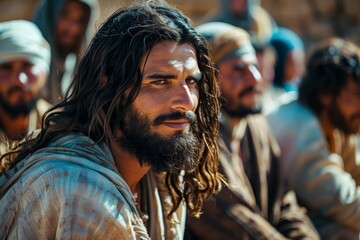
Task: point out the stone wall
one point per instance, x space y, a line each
311 19
318 19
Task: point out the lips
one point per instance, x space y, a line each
178 124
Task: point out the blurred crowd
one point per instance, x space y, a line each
289 121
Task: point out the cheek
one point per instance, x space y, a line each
149 105
37 78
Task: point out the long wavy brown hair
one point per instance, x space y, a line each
97 109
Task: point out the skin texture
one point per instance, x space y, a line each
170 75
169 85
240 82
71 26
20 81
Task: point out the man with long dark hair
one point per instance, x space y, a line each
131 146
68 25
317 136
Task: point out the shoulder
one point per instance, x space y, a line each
292 117
79 198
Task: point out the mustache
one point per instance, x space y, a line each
355 116
189 115
248 90
16 89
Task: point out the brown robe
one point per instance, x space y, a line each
254 205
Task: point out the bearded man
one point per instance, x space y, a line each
24 67
255 204
316 134
131 146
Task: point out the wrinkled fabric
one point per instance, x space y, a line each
325 182
254 205
61 70
71 189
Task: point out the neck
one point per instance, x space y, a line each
14 128
129 168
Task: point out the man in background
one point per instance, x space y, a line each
316 134
24 67
68 26
255 204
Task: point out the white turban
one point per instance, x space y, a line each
22 39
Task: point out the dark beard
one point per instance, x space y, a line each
242 112
339 121
20 109
173 154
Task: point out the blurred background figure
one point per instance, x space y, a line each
24 66
68 26
254 204
246 14
317 137
290 59
266 58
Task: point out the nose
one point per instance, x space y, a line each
20 78
23 78
254 74
184 99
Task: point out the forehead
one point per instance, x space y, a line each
16 61
170 54
244 59
74 7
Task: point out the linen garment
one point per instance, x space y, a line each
254 205
71 189
324 174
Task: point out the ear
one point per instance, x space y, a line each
326 100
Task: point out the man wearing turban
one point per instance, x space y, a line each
24 67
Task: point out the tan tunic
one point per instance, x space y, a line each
255 204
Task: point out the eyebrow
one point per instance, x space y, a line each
197 76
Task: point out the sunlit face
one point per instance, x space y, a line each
170 84
344 112
71 26
241 85
160 128
20 85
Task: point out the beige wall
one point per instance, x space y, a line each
23 9
312 19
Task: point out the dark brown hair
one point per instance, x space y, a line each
96 109
330 64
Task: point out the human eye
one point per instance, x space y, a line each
5 67
160 82
192 82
